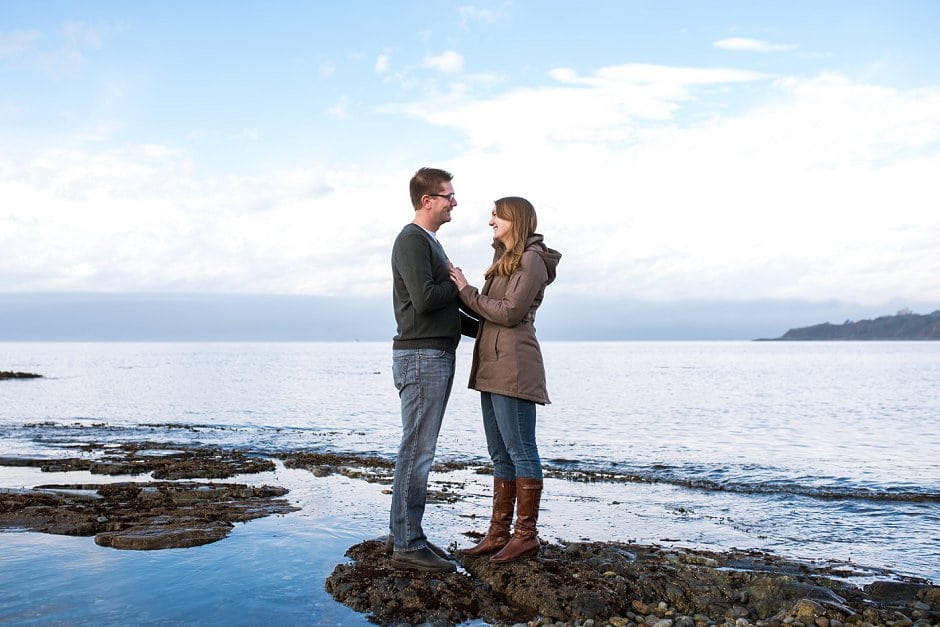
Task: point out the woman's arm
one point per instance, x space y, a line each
523 287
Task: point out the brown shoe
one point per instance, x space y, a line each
525 540
504 501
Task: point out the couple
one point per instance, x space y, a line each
434 305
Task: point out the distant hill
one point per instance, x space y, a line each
8 374
903 326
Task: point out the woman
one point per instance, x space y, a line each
508 372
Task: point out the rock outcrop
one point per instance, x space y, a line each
140 515
609 583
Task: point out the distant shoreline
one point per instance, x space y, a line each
7 374
904 326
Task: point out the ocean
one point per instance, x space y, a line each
820 451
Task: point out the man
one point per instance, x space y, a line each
423 351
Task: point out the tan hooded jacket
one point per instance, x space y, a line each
507 359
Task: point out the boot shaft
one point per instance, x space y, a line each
504 502
528 497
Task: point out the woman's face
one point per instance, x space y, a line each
501 228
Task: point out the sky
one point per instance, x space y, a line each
721 151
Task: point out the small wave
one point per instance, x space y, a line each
742 479
736 478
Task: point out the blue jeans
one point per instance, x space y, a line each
509 424
424 378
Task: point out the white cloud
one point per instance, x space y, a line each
751 45
608 106
471 13
141 219
823 192
247 134
74 40
652 189
79 35
16 43
448 62
340 109
382 64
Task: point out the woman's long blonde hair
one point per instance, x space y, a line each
521 213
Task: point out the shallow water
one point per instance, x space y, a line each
819 451
268 571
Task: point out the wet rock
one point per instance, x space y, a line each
163 536
931 597
893 592
140 516
614 584
390 596
371 469
164 461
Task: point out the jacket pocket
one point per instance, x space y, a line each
490 345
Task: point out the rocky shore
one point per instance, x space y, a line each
568 583
626 585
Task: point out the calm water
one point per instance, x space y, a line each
827 451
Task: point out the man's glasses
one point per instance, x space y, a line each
449 197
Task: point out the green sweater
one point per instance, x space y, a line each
425 299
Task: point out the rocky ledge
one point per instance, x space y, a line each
625 585
140 515
144 515
164 461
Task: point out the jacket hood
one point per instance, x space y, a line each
550 256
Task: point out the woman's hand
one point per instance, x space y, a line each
456 275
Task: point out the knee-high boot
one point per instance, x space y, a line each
504 500
525 539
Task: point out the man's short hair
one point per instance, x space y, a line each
427 181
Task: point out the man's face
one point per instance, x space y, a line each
441 204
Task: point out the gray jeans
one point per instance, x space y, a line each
424 378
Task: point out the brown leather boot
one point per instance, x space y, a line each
504 500
525 540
